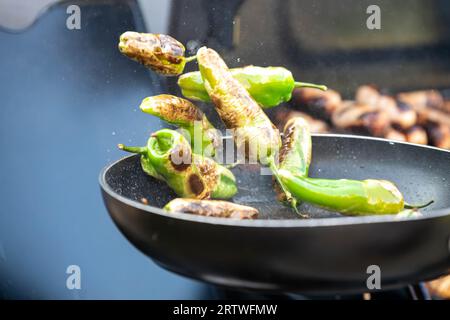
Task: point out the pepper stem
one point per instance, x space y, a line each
140 150
420 206
289 198
310 85
189 59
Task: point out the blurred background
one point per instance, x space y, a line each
68 97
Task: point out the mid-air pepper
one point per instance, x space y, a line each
159 52
186 115
168 157
269 86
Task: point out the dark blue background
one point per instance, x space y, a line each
67 99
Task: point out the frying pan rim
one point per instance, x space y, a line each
282 223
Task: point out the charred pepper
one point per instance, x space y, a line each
269 86
295 152
212 208
350 197
161 53
186 115
169 156
239 111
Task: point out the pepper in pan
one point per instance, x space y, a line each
168 155
161 53
295 152
212 208
239 111
186 115
269 86
350 197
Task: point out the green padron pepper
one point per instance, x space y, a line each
252 129
161 53
295 152
168 157
200 132
349 197
269 86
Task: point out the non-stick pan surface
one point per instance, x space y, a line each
281 252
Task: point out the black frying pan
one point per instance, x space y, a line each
280 252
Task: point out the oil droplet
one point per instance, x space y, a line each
113 133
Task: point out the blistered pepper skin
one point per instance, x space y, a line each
295 152
212 208
186 115
269 86
161 53
237 109
168 157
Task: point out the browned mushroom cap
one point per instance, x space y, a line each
318 103
417 135
315 125
428 115
439 135
401 115
363 119
420 99
367 94
212 208
406 117
393 134
447 106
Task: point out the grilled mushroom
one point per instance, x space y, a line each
393 134
439 135
417 134
401 115
315 125
426 98
321 104
361 118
